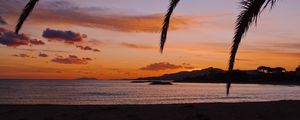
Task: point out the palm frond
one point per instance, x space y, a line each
249 14
270 3
25 13
164 33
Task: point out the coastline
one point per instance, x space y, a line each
282 83
275 110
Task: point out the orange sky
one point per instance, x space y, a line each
68 39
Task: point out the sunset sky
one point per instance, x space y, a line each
116 39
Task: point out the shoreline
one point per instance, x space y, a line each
257 83
296 83
274 110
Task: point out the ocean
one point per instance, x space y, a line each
112 92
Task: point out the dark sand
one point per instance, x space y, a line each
281 110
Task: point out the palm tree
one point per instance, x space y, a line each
25 13
251 9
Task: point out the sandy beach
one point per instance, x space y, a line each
279 110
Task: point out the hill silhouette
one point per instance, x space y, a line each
185 74
262 75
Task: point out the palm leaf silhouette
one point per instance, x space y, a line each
249 14
25 13
164 33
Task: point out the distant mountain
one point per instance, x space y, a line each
185 74
215 75
87 79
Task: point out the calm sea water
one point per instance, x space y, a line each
124 92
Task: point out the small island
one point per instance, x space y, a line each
86 78
161 83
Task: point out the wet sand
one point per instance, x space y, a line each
280 110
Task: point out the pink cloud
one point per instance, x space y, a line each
71 59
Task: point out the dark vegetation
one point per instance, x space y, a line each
262 75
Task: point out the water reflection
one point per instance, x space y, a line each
124 92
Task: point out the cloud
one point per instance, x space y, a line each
43 55
166 66
69 37
66 13
2 21
135 46
73 56
88 48
160 66
11 39
87 59
22 55
3 30
71 59
43 50
240 59
187 66
95 42
286 45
